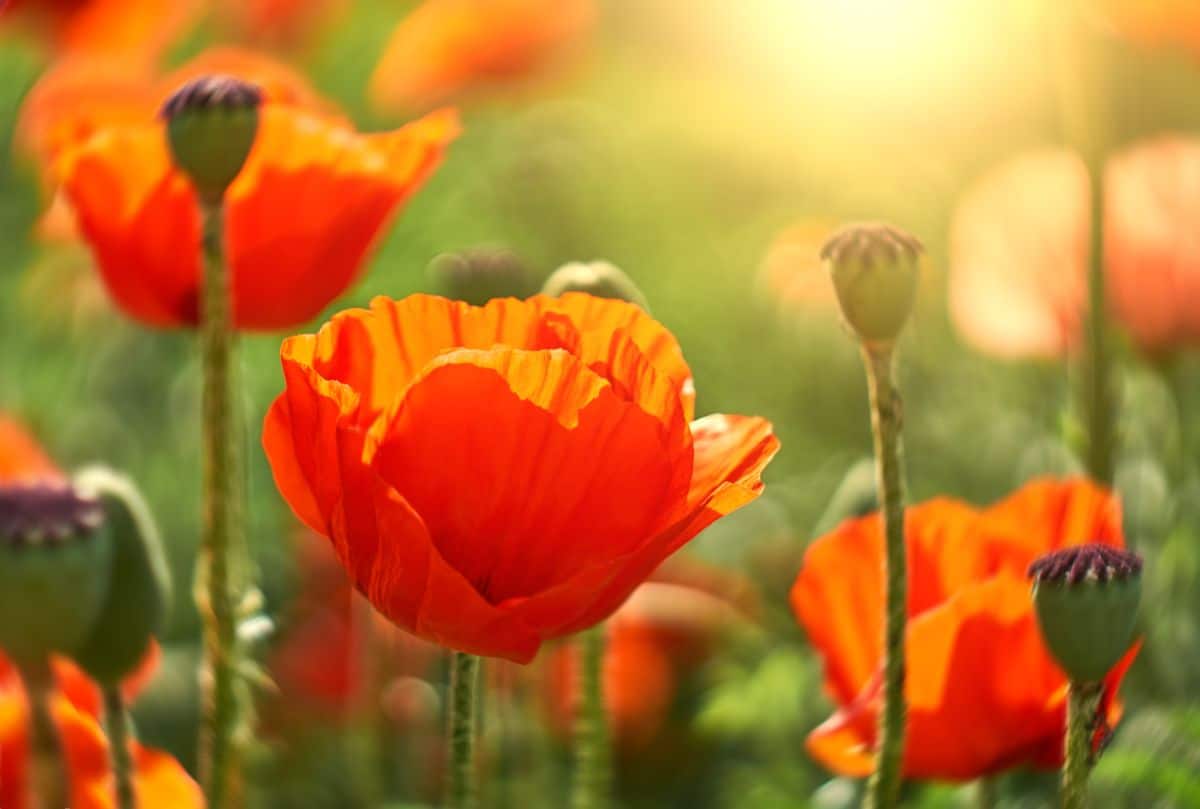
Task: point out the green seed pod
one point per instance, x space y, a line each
1086 598
55 555
875 270
136 607
479 274
211 125
598 278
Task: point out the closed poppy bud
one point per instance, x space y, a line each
211 125
55 553
874 271
478 274
140 582
597 278
1086 599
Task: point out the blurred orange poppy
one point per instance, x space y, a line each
983 693
21 457
496 476
133 31
283 23
159 778
301 218
444 47
668 628
1018 282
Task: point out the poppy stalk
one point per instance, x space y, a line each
462 790
46 765
211 123
593 754
874 271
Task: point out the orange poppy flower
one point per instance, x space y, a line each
284 23
496 476
21 457
668 628
983 693
446 46
132 31
1018 282
301 217
159 779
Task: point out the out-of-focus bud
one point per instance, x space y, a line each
479 274
55 554
140 582
211 125
598 278
875 271
1086 598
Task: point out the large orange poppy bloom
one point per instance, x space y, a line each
1018 282
983 693
446 46
495 476
301 218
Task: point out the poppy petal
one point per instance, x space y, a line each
21 457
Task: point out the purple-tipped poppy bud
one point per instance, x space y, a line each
1086 598
211 125
55 554
874 268
140 582
479 274
598 278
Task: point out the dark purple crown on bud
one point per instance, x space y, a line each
874 268
871 242
1093 562
212 92
36 514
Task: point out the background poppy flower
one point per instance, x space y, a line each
21 457
446 46
496 476
134 31
1018 282
983 693
301 217
159 779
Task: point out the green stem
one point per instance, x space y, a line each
1099 399
47 769
217 590
985 793
1082 702
462 790
883 791
593 757
120 735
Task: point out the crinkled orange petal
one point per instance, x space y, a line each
130 30
21 457
1048 514
444 46
162 781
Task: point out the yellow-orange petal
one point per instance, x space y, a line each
21 457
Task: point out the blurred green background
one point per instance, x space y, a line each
685 139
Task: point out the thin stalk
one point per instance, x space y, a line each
1082 702
217 588
48 772
593 756
120 734
462 790
986 793
1099 398
883 790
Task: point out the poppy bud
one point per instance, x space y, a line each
874 271
598 278
140 582
1086 598
479 274
211 125
55 554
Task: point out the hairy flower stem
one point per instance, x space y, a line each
883 790
1082 701
116 722
222 541
462 791
593 758
47 771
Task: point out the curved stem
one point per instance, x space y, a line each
883 790
593 759
1082 702
217 590
48 772
462 790
120 734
